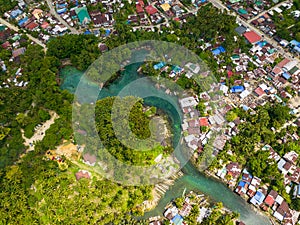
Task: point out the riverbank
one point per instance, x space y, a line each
159 190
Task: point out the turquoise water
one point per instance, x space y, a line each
193 179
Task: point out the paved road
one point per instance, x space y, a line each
245 23
12 27
263 12
53 12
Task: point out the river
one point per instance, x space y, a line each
192 178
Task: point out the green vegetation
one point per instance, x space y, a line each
219 217
7 5
25 194
287 27
81 49
25 109
231 116
139 124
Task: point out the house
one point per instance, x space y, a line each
18 52
291 157
282 211
186 209
15 13
165 7
203 121
82 174
252 37
31 26
259 92
233 169
188 102
270 199
237 89
83 15
37 13
89 159
240 30
255 182
258 198
151 10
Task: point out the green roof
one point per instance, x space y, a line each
293 70
258 3
2 27
242 11
271 51
17 37
235 56
83 15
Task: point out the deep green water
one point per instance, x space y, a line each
193 179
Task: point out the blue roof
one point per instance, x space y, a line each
177 220
259 197
297 48
22 21
245 107
298 193
218 50
294 42
286 76
242 184
159 65
262 43
60 11
61 5
249 176
15 13
237 89
87 32
107 32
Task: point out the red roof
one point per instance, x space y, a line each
259 91
141 2
6 45
203 121
151 10
277 70
269 200
31 26
252 37
82 174
176 19
45 25
139 8
283 63
229 73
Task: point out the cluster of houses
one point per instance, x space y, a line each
197 129
176 216
156 12
267 25
37 20
260 80
248 9
16 44
76 13
251 188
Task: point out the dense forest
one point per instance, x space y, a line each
139 124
